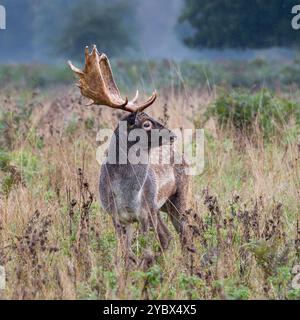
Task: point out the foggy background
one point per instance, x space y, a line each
36 32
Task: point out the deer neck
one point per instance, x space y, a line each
122 168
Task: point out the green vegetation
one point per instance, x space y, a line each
129 74
261 111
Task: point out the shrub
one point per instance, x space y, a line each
244 111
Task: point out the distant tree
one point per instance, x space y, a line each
109 26
239 23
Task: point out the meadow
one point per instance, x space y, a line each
57 243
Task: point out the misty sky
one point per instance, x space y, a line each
157 36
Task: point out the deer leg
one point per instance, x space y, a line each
176 208
125 235
163 233
148 256
161 230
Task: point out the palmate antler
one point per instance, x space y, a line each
97 83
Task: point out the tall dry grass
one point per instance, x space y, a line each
57 243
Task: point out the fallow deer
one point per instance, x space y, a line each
135 192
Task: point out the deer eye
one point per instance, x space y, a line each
147 125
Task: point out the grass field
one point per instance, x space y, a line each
56 243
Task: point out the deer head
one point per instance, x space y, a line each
97 83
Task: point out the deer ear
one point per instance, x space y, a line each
136 119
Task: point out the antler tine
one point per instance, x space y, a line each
133 107
148 103
134 100
75 69
86 53
97 83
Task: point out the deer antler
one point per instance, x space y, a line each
97 83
